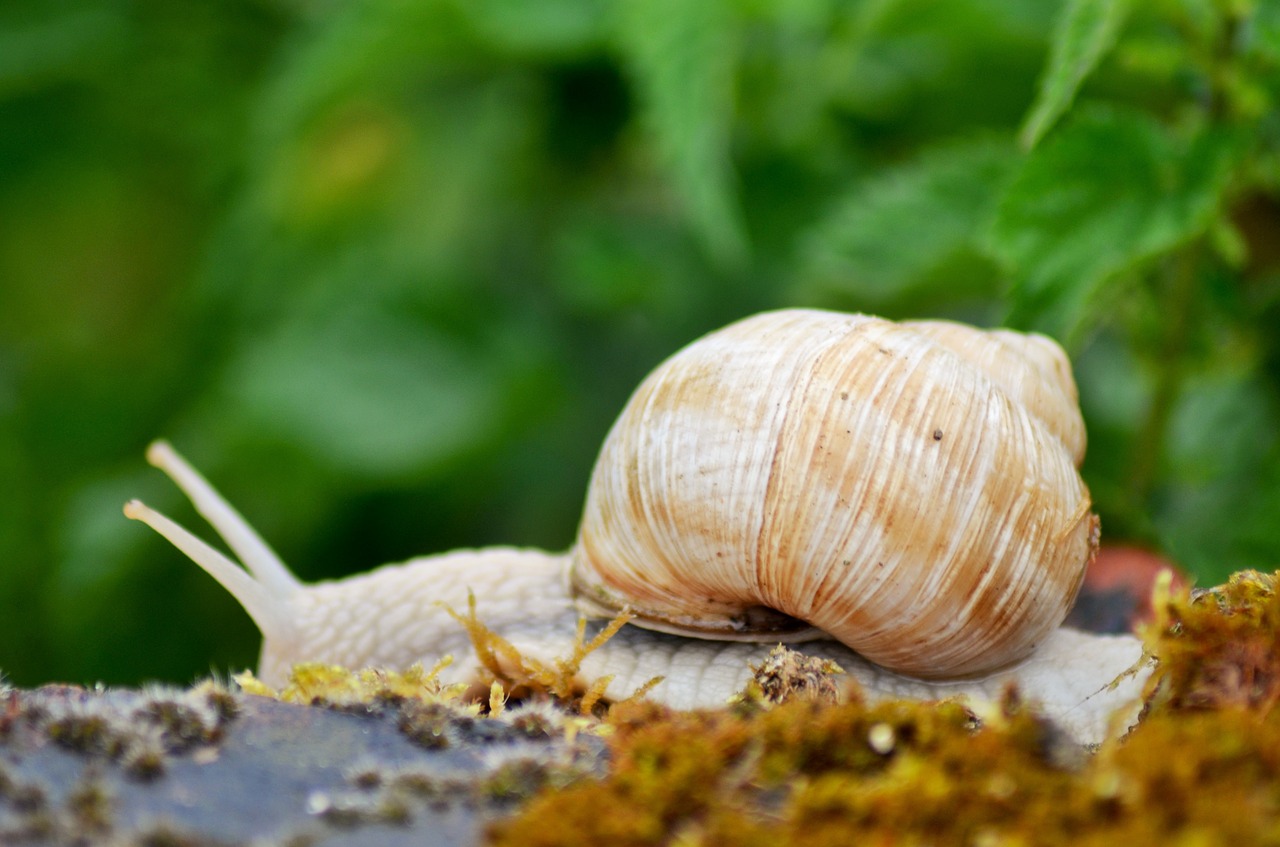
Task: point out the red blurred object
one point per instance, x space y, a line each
1116 594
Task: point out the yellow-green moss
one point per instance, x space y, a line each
900 773
313 683
1216 648
1202 767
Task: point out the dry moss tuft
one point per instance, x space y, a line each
788 674
522 676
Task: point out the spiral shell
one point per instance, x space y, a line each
909 489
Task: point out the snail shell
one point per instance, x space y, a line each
909 489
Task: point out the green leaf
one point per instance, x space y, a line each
371 393
1110 190
1085 32
360 49
549 26
71 43
889 235
681 58
1265 26
1216 509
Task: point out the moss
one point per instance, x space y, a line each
32 827
10 710
512 675
782 764
90 804
1215 648
347 811
427 724
508 747
520 778
136 729
169 835
435 715
431 787
90 733
788 674
25 798
524 676
785 764
1203 765
912 774
539 721
392 795
144 759
684 771
181 725
338 687
220 701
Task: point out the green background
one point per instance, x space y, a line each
386 271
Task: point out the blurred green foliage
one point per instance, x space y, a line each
387 270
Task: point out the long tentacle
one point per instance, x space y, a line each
267 607
256 555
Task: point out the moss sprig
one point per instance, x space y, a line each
523 675
1215 648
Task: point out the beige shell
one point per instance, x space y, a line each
910 489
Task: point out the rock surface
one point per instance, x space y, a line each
207 766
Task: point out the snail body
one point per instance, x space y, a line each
909 489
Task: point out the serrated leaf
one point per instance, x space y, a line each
681 58
1110 190
1085 31
889 234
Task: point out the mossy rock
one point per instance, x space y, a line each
209 766
372 757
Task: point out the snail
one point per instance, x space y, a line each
902 496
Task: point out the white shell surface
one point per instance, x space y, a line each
909 489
